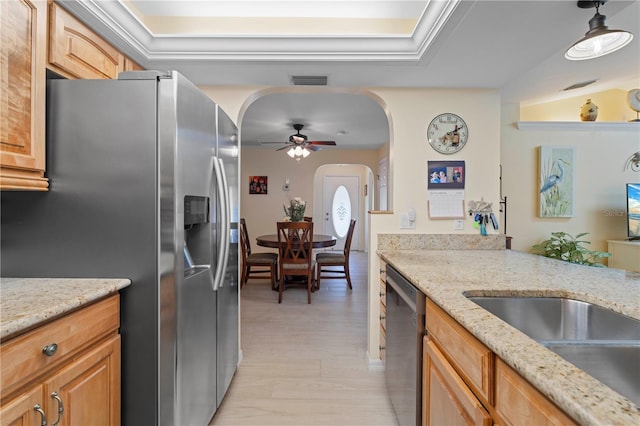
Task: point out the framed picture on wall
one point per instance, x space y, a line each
258 185
445 174
556 181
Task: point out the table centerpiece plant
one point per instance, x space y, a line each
294 212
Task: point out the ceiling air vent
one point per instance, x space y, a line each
309 80
579 85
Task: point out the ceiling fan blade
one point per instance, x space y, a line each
284 147
270 143
321 143
313 147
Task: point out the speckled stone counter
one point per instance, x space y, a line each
25 302
448 276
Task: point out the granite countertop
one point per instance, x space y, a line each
26 302
448 276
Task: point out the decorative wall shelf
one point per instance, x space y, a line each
588 126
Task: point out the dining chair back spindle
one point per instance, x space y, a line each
327 261
256 264
295 241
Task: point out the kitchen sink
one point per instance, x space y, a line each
552 319
603 343
615 364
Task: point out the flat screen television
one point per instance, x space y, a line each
633 211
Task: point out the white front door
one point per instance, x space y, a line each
341 203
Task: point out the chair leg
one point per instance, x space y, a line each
346 273
309 285
280 287
274 285
319 270
243 278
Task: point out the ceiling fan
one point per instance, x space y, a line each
300 140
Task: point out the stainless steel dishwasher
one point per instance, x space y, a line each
405 323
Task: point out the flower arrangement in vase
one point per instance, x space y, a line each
295 211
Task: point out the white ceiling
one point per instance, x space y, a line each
515 46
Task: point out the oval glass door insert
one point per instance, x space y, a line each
341 208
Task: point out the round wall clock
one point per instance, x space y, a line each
447 133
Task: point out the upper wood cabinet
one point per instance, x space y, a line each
29 47
23 28
75 51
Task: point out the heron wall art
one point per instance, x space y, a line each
556 183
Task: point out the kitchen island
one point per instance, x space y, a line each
447 277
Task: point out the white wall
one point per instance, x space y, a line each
262 211
600 181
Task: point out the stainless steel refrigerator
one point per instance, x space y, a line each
143 177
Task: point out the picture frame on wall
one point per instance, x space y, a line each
445 174
258 185
556 181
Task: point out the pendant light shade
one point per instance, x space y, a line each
599 40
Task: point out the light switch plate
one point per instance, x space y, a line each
458 224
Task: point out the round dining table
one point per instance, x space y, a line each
319 240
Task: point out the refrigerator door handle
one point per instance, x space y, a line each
226 221
220 266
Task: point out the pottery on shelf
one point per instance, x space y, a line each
589 111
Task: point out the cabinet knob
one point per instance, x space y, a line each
382 317
50 350
43 416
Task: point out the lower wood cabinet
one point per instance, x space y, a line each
519 403
76 382
447 400
464 383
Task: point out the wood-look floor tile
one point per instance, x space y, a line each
306 364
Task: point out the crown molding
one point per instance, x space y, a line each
113 21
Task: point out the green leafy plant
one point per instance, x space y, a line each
566 247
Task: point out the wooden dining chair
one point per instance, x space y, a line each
295 240
256 264
307 219
327 261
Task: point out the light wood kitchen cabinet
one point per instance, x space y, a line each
75 51
383 308
80 374
466 384
519 403
447 400
23 28
36 35
473 360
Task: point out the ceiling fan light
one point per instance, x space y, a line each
305 152
298 151
598 41
291 153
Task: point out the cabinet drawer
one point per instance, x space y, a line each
472 359
22 358
519 403
448 400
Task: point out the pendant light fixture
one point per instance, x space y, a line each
599 40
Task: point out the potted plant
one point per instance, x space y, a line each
566 247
